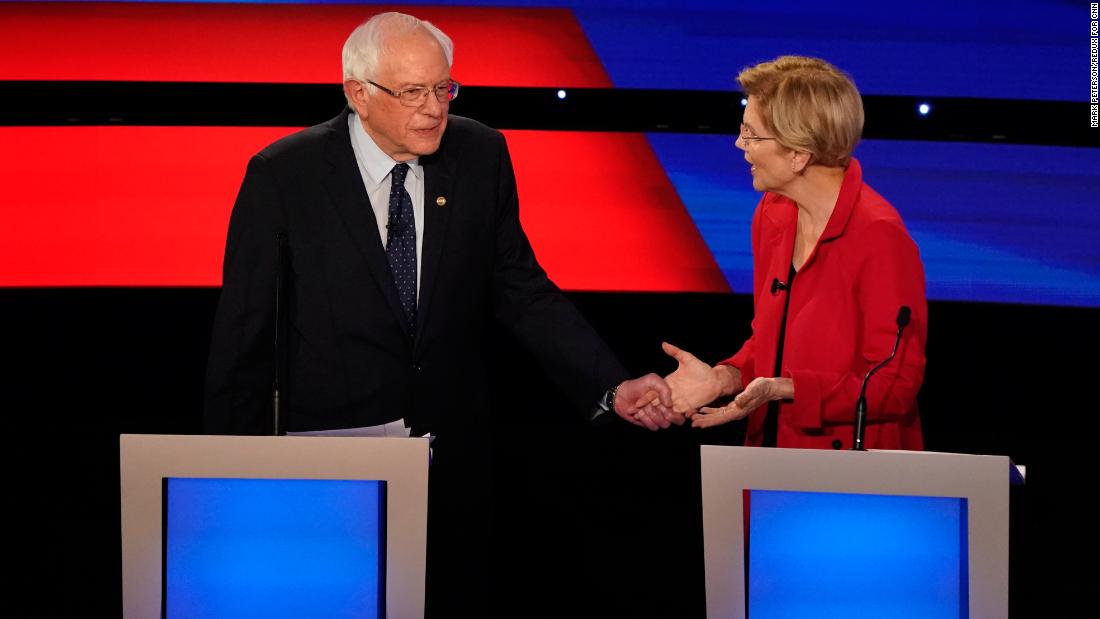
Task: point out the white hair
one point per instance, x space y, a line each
367 43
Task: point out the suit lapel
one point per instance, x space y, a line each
438 203
345 189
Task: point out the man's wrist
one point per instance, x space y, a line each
606 403
612 395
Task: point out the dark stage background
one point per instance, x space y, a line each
612 510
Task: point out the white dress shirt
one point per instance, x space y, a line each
375 167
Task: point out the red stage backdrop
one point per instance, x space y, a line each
148 206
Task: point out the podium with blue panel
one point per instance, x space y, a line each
812 533
273 526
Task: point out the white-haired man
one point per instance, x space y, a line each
404 246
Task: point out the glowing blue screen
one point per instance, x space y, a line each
274 548
813 554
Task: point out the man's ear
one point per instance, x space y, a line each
356 93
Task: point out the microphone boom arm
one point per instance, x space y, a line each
861 403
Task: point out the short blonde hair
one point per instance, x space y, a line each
809 105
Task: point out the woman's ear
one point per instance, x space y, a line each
799 160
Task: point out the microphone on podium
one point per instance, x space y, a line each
277 421
861 404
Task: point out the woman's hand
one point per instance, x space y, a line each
759 392
694 383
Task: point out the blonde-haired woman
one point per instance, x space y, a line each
832 266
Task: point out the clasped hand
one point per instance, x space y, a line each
646 401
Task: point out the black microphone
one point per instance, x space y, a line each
861 404
280 286
778 286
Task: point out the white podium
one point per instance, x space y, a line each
975 487
148 460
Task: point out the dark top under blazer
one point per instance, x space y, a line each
350 363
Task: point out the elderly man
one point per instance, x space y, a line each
401 232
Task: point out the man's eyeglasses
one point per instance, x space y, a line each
417 95
749 135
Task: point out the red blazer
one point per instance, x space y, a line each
841 322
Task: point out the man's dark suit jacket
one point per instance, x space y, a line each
350 362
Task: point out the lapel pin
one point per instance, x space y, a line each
440 201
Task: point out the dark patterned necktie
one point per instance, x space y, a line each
401 243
